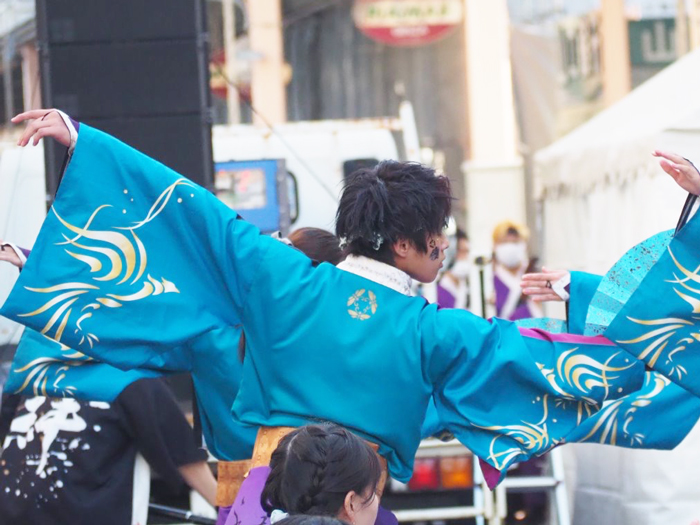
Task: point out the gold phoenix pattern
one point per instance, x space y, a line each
38 370
661 333
118 259
609 416
534 438
580 373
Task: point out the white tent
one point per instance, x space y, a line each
601 192
22 210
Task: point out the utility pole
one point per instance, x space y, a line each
268 83
617 70
232 102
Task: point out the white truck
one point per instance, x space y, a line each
318 155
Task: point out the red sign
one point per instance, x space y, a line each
407 22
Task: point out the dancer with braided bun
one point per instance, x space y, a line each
322 470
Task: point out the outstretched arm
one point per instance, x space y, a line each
682 170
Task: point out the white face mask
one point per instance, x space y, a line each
461 269
511 254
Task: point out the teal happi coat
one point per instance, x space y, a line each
135 262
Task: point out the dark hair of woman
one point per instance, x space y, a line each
392 201
305 519
313 469
319 245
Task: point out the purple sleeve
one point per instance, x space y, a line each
25 251
75 123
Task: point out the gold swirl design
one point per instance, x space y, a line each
38 370
609 417
582 373
661 332
113 258
534 438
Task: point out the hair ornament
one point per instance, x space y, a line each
277 515
377 241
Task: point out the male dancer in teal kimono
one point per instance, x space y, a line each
149 261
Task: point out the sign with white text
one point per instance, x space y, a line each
407 22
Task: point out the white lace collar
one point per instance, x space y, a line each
378 272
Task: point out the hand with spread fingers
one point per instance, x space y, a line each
9 255
44 123
682 170
538 286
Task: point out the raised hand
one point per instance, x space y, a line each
682 171
44 123
538 286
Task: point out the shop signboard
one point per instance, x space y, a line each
407 22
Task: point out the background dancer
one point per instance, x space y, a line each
320 470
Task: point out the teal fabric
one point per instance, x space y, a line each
548 324
659 322
621 281
216 372
159 262
660 414
43 367
581 290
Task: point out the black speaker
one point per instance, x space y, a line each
137 69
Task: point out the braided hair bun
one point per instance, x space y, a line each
315 467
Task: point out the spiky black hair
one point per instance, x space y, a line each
391 202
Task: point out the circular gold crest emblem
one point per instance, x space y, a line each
362 304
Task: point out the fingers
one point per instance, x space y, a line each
671 157
45 124
46 131
541 296
685 174
541 278
32 128
29 115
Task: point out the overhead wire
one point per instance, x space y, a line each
281 138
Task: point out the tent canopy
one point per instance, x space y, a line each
616 144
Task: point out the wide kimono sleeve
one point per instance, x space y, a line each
509 394
134 260
660 322
581 290
661 413
43 367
